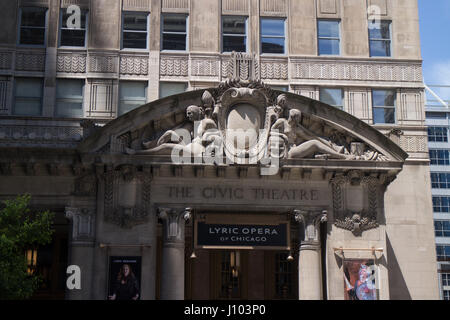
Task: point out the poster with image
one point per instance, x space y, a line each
360 280
124 278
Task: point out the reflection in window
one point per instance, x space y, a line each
333 97
32 26
273 36
230 275
383 106
437 134
440 180
329 38
135 30
234 34
69 98
443 252
284 276
380 39
170 88
442 229
439 157
73 37
133 94
174 32
441 204
28 97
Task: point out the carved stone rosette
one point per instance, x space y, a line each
355 185
127 196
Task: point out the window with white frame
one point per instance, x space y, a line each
174 32
437 134
440 180
380 39
328 32
234 34
135 30
441 204
383 106
440 157
170 88
273 35
445 279
133 94
446 294
442 228
69 98
443 252
28 96
33 21
332 96
73 31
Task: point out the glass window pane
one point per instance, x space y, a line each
132 94
382 32
329 29
272 27
168 88
234 43
328 46
135 40
333 97
174 42
32 36
234 25
135 21
28 97
384 115
383 98
380 48
66 16
69 98
29 88
33 17
73 38
273 45
173 23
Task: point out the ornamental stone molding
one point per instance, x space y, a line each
83 223
127 196
310 221
174 221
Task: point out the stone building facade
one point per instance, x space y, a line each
74 72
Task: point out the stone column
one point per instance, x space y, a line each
81 249
172 271
309 258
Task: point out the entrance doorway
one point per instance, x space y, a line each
242 275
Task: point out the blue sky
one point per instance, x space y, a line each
435 40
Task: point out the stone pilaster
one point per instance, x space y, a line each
309 258
172 274
81 249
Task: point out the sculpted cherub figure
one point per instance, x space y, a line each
199 132
302 143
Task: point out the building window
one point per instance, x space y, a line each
329 37
230 275
441 204
443 252
440 180
71 36
280 88
442 229
32 26
445 279
380 40
439 157
446 295
333 97
133 94
28 97
284 276
437 134
134 30
273 36
436 115
170 88
383 102
234 34
69 98
174 32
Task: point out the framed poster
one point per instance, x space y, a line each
360 281
124 278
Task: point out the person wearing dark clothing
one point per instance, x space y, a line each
126 287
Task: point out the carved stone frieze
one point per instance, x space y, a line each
71 63
127 196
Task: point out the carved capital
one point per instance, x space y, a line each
310 222
83 223
173 223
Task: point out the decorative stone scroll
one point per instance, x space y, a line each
356 202
127 196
